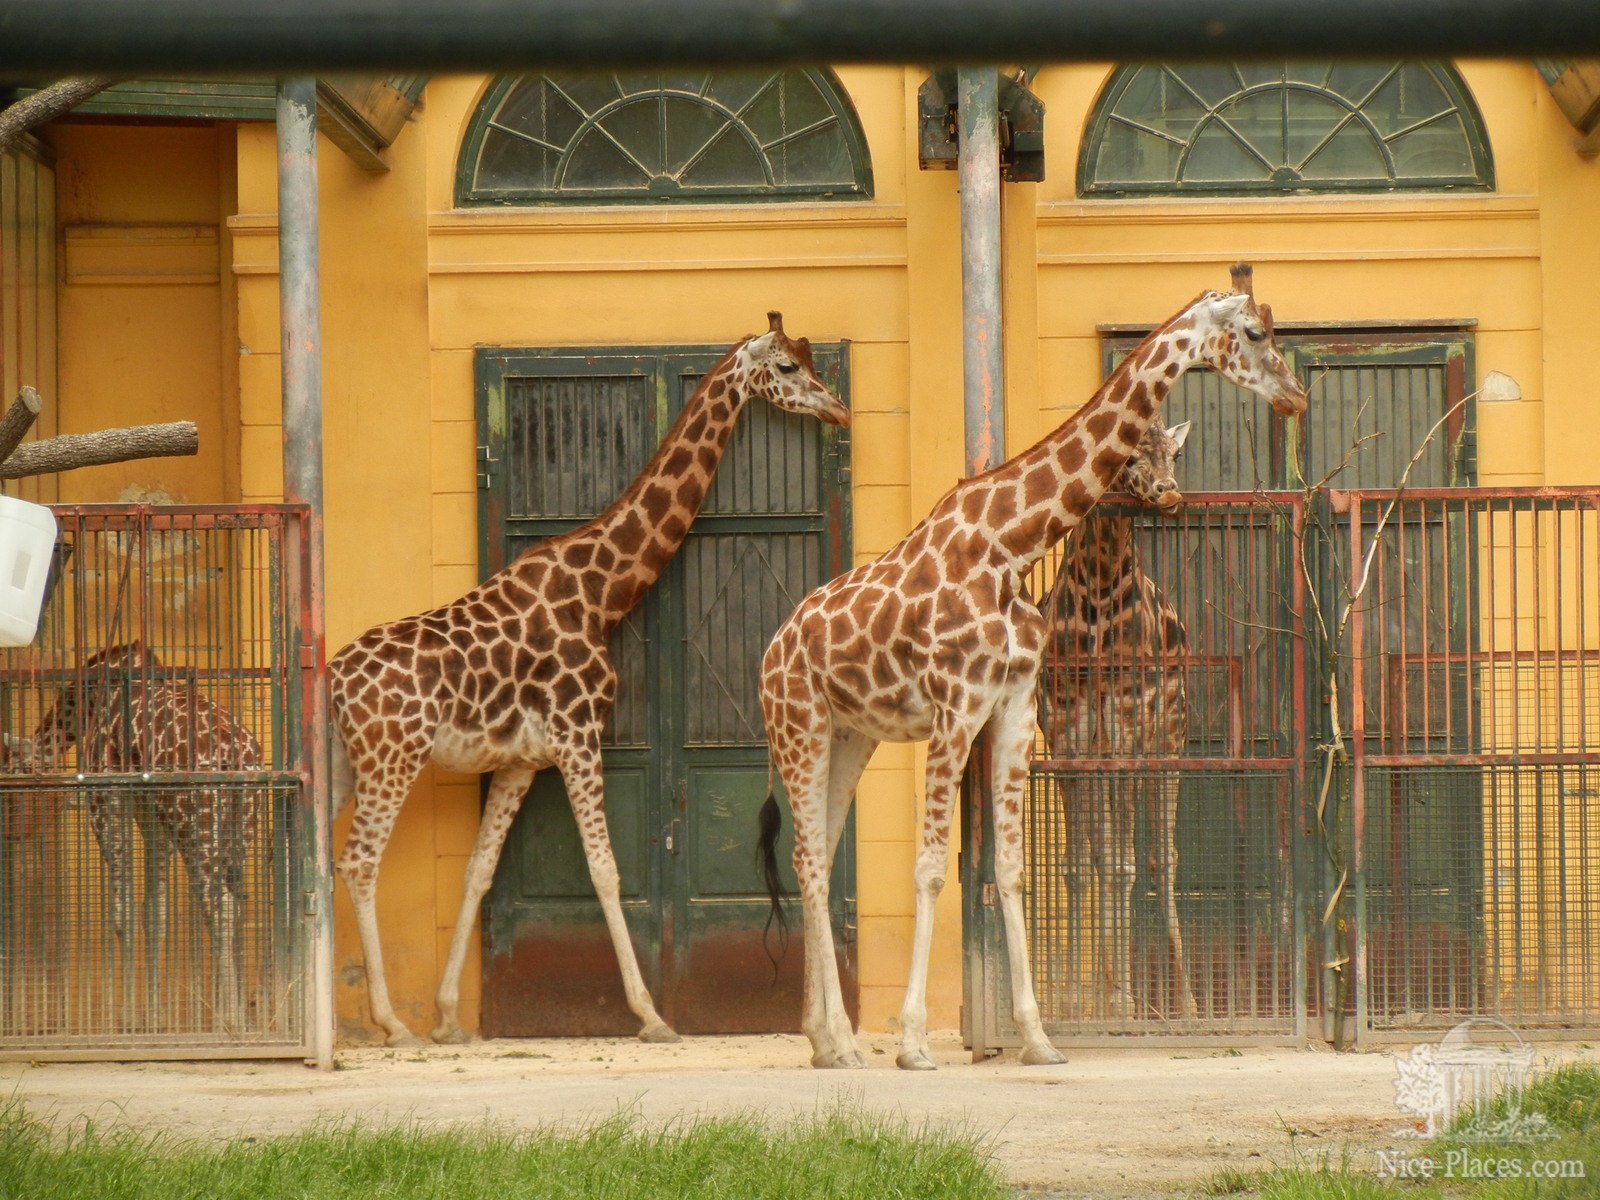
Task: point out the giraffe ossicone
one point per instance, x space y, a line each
515 675
937 640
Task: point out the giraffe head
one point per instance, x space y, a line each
1149 474
63 724
1236 341
779 369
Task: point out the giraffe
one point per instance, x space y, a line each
1112 686
937 640
515 675
122 720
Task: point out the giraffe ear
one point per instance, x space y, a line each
760 344
1179 434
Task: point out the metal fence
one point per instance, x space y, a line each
1207 875
1473 814
154 826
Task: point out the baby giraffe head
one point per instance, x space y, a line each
780 369
1149 475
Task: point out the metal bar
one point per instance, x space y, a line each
45 38
300 301
982 341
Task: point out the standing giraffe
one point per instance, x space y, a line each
516 676
1113 687
938 640
121 720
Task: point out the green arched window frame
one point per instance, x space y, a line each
1284 128
663 137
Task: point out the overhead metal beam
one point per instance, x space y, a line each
47 38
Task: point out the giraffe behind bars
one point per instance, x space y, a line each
123 719
1113 686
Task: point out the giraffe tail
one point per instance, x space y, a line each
767 863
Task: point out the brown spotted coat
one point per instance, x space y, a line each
938 640
515 676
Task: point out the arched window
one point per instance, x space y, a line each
612 137
1284 127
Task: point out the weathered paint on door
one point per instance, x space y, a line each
563 433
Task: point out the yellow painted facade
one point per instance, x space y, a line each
167 309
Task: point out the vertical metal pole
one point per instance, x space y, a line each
983 348
983 377
300 309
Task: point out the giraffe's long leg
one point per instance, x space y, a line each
1112 830
948 749
581 769
507 787
157 904
1164 826
1010 733
113 830
801 745
377 803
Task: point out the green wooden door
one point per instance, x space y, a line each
562 434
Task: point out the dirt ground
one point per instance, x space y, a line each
1141 1121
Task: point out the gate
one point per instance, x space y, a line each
1473 818
1447 866
156 883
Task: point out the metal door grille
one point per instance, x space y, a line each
1229 958
154 828
1474 814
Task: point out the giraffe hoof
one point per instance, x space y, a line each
659 1033
849 1061
1042 1055
451 1035
915 1060
403 1039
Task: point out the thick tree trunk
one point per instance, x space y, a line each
46 104
74 450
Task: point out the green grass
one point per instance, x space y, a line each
1568 1098
839 1154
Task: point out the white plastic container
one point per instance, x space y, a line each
27 536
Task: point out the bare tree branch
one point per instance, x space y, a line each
46 104
18 420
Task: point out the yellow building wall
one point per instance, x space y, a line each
145 308
411 285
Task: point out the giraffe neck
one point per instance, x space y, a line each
644 526
1047 489
1107 604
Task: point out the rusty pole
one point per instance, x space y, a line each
300 308
983 347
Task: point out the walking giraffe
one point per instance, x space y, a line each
937 640
1113 686
122 719
515 675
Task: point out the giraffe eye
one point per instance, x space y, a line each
1255 335
788 368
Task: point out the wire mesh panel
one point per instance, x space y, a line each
155 839
1163 799
1475 682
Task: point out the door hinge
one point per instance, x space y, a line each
486 460
313 904
990 895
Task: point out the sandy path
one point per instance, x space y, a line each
1139 1121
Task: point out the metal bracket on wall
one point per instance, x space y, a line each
1021 127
